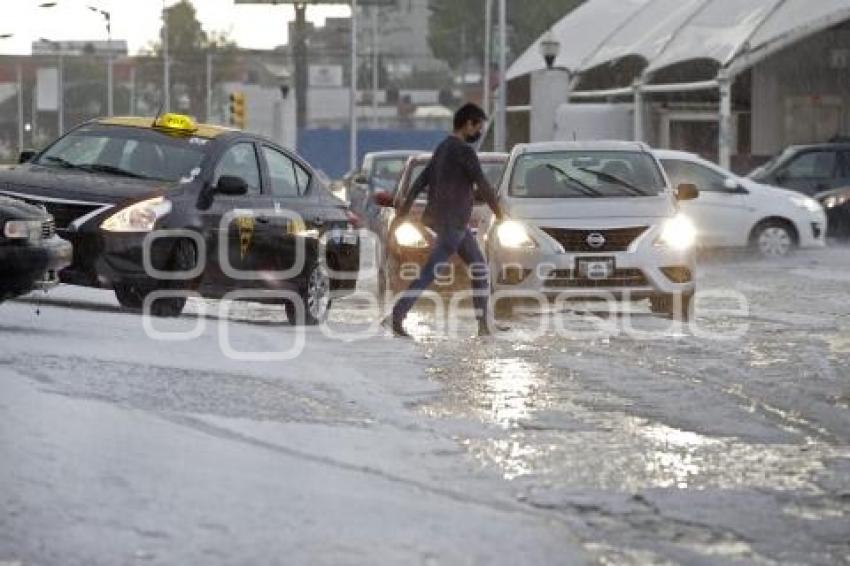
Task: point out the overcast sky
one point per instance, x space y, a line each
139 21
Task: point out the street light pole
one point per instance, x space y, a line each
375 62
488 24
352 103
60 88
110 109
501 112
166 79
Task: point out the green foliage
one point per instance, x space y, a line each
456 27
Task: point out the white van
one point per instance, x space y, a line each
595 220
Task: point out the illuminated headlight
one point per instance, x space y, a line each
139 217
678 233
409 236
809 204
835 201
22 230
513 234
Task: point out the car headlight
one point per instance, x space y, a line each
22 229
809 204
678 233
835 201
139 217
409 236
513 234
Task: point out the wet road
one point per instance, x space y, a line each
611 439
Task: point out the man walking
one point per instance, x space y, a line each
451 177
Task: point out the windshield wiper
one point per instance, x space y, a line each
615 179
62 162
584 188
110 169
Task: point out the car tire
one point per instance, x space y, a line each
679 307
131 295
315 298
773 239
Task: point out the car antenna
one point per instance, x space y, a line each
158 113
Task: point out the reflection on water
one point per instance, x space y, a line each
510 385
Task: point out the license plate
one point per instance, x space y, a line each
595 269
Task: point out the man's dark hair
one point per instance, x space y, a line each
469 112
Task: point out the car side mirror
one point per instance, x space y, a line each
26 155
686 191
360 179
231 185
383 198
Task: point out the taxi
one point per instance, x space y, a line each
164 205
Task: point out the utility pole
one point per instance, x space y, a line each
209 87
20 76
166 79
375 65
501 113
488 25
352 103
299 52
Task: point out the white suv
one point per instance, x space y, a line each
595 220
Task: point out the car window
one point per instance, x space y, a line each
303 178
284 183
585 174
845 158
240 160
812 165
387 171
705 178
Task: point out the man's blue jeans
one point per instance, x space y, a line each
450 241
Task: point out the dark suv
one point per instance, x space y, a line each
821 171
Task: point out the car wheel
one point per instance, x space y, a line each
131 295
315 298
679 307
773 239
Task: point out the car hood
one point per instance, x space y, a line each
14 209
772 191
39 181
613 211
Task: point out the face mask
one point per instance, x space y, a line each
473 138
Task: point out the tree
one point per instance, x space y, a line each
456 28
188 46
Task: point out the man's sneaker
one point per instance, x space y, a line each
396 327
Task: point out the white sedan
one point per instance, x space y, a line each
734 211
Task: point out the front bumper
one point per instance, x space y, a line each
28 267
647 271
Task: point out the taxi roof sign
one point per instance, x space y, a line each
175 122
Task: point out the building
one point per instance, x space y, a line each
735 80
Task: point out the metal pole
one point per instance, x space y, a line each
488 24
133 90
375 63
110 101
60 94
166 79
725 138
299 54
352 103
501 118
209 87
638 110
20 76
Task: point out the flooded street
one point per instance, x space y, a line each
575 437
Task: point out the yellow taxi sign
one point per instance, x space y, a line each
175 122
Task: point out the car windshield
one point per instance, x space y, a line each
387 171
492 170
127 152
586 174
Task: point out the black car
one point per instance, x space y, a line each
165 205
31 254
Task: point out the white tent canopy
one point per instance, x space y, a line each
734 33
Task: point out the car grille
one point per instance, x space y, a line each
48 229
616 239
63 213
567 278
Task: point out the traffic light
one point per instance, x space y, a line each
237 109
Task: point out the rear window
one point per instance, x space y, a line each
586 174
126 151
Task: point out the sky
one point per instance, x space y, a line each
139 21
